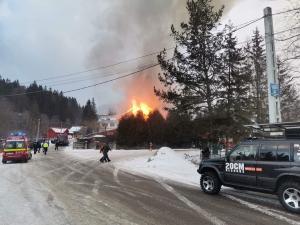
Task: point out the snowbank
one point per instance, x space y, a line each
166 164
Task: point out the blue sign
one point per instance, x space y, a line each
18 133
275 92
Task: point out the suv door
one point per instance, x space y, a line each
240 165
274 158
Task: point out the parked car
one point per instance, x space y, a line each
271 166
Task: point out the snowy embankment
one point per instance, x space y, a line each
164 164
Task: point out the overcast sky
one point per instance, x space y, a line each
40 39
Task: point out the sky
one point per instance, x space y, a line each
55 38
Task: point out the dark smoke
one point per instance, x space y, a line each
131 28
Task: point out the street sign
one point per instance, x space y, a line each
275 90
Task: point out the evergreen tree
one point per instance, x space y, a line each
132 131
288 93
191 78
90 117
256 54
156 128
235 81
89 113
179 130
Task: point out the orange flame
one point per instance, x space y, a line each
143 107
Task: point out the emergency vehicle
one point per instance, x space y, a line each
16 148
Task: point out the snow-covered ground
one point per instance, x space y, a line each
165 163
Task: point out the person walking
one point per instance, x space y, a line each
45 147
39 145
35 147
56 145
206 153
104 149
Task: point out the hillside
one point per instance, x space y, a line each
21 112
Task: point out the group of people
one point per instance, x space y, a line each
38 145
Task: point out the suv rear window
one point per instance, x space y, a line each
283 152
297 152
275 152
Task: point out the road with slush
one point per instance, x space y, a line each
61 189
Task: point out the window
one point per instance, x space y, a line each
283 153
297 151
244 153
14 144
268 152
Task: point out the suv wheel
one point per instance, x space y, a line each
289 196
210 183
3 161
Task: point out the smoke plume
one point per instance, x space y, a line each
133 28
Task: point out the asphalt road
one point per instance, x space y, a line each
61 189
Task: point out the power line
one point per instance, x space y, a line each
285 39
71 81
287 11
248 24
89 86
111 80
97 68
283 31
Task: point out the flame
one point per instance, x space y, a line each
143 107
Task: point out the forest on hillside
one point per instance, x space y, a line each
22 107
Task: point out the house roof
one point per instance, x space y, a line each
59 130
75 129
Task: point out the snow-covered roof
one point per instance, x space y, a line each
59 130
98 136
75 129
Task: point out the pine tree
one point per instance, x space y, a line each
191 78
288 93
132 131
256 54
235 80
156 128
179 130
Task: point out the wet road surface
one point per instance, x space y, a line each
61 189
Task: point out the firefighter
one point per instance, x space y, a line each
45 147
104 149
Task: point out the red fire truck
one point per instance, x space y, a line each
16 149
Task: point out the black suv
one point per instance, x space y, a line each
271 166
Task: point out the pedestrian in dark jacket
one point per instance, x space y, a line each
205 153
56 145
35 147
39 146
104 149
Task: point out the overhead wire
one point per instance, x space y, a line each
97 68
239 27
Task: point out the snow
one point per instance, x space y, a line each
98 136
164 164
75 129
175 165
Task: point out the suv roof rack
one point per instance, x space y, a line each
289 130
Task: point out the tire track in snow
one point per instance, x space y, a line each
262 209
201 211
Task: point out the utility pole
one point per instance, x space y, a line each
38 131
272 74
